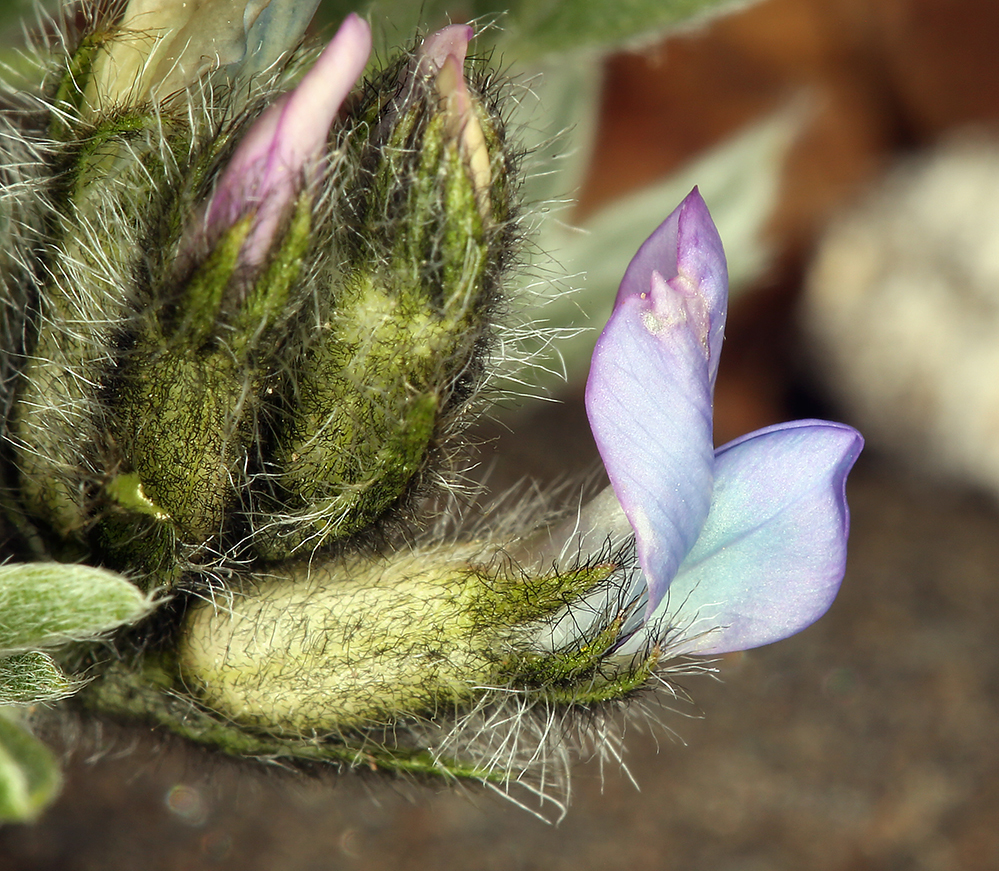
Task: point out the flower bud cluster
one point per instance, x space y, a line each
261 305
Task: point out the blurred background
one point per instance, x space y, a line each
869 741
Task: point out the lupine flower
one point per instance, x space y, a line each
738 547
248 330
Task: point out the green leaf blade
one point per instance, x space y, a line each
48 604
534 29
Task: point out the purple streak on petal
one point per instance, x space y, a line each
452 41
687 251
284 145
772 553
648 398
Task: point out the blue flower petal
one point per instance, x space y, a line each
648 398
772 553
687 251
649 393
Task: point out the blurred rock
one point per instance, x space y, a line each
903 304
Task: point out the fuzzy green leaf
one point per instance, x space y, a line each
46 604
29 774
33 677
534 29
527 29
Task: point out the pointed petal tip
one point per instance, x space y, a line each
356 29
351 46
699 240
451 41
686 250
266 171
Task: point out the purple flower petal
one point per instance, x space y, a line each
649 393
275 158
648 398
687 251
772 553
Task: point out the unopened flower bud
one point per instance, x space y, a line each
281 154
365 642
427 239
179 242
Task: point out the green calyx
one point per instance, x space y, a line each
111 172
370 662
369 397
362 644
396 354
339 647
586 674
190 389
